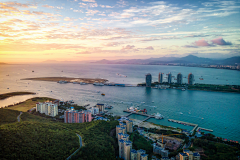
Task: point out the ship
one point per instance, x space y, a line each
108 107
158 116
201 78
98 84
103 94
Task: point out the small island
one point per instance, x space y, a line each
196 86
11 94
68 79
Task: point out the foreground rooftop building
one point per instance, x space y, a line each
188 155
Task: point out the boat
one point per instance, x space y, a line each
152 101
103 94
202 118
82 83
32 71
75 82
98 84
108 107
62 82
180 112
158 116
201 78
183 89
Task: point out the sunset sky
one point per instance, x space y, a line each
79 30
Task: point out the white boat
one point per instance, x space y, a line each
62 82
158 116
152 101
82 83
98 84
183 89
180 112
75 82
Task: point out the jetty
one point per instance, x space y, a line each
205 129
142 114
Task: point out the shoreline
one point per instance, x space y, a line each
12 94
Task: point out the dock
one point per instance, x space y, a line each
190 124
142 114
205 129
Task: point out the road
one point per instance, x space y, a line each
80 145
18 118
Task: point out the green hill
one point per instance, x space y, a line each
37 137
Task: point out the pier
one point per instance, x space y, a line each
142 114
190 124
205 129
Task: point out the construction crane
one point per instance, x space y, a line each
168 135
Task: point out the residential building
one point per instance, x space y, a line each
129 126
190 79
133 154
169 77
144 157
159 149
118 127
48 108
139 153
74 116
160 78
53 110
127 150
101 107
88 116
121 148
179 78
189 155
148 80
183 156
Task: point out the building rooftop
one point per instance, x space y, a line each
183 154
196 154
121 141
141 151
133 151
186 150
144 155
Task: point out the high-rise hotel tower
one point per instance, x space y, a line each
190 79
169 77
160 77
148 80
179 78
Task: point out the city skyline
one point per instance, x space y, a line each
83 30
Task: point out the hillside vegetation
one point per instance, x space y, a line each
8 116
37 137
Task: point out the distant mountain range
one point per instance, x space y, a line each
163 60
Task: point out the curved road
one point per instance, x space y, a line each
80 145
18 117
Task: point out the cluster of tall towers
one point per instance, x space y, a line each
169 78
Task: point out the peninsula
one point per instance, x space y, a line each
11 94
68 79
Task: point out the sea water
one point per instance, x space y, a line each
213 110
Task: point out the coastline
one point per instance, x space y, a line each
68 79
